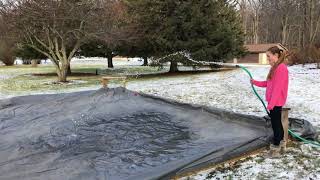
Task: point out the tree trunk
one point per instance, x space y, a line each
110 63
311 21
69 70
62 73
34 63
256 29
173 67
243 13
305 24
145 61
26 62
301 39
284 29
8 62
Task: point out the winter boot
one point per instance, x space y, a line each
283 146
274 151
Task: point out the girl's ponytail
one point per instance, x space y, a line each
282 55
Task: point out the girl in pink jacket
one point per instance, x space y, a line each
276 92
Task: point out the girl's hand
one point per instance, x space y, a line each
251 81
269 107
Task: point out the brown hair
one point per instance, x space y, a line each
282 55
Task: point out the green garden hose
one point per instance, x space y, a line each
254 89
317 144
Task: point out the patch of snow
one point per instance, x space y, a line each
116 61
231 90
95 60
69 82
292 165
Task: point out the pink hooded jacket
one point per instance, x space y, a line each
277 87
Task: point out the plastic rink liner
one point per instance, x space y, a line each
115 133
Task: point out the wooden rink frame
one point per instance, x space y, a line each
285 124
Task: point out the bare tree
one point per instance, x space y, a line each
255 14
7 52
278 15
57 28
312 20
242 6
7 45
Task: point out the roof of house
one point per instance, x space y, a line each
258 48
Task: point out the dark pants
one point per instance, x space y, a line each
276 125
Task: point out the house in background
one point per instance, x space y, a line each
257 53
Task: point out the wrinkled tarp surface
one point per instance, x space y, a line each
119 134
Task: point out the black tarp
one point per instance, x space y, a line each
119 134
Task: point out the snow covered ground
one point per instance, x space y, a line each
96 60
231 90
